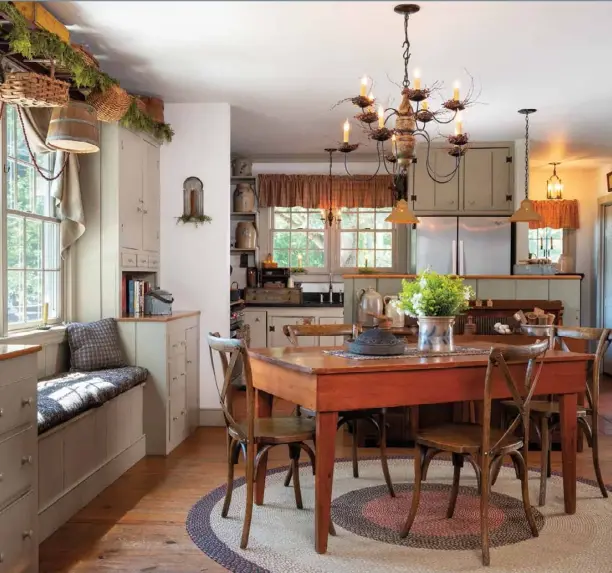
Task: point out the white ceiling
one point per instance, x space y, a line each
283 65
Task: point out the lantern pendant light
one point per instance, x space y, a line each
554 186
526 213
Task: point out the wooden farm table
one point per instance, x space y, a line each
329 384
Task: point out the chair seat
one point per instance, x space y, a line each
546 408
280 430
463 438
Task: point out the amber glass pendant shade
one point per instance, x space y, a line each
402 214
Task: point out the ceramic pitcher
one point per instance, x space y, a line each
369 302
393 311
244 198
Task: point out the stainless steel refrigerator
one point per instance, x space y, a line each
462 245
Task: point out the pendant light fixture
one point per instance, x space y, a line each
526 213
74 128
402 214
554 186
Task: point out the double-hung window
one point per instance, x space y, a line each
32 264
298 238
366 239
546 243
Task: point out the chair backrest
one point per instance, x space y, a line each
234 357
601 337
521 391
294 331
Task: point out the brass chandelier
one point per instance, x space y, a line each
554 185
411 121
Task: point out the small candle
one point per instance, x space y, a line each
458 125
456 91
381 116
45 313
299 261
366 262
417 79
394 144
364 86
425 106
347 129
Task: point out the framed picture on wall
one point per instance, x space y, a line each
609 180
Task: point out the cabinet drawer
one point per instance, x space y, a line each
153 261
178 414
177 371
17 404
142 261
17 458
176 342
128 259
18 538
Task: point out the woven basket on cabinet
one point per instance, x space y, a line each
155 108
111 104
88 58
29 89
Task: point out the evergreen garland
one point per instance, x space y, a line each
42 43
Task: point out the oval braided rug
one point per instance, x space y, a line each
368 521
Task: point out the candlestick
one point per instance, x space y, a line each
425 105
299 261
366 262
458 125
347 129
456 91
417 79
381 116
364 86
394 144
45 313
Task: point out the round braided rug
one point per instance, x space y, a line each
368 521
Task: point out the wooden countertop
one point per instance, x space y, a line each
8 351
501 277
312 360
160 317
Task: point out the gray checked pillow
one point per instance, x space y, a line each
94 345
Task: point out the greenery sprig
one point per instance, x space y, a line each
42 43
196 219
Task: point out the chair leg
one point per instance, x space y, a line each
593 432
416 492
496 468
311 455
383 452
250 481
294 454
232 450
430 454
288 477
353 426
485 487
544 458
457 465
520 461
477 471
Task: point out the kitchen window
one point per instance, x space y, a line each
32 268
298 238
546 243
366 239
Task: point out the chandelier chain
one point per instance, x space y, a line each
526 156
406 45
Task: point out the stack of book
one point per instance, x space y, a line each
133 295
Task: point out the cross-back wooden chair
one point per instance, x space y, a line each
545 413
248 434
483 444
350 418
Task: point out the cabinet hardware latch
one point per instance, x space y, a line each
509 159
7 168
272 328
508 197
413 197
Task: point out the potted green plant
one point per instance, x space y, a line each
435 300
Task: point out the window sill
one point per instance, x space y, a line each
54 335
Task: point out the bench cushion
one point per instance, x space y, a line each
67 395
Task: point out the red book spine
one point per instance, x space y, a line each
124 308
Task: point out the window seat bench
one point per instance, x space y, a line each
90 427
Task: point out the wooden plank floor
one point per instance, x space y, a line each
138 523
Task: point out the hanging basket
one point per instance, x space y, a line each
155 108
88 58
29 89
111 104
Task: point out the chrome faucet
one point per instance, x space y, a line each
331 289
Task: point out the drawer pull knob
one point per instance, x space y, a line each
26 402
26 460
28 534
1 557
1 477
1 412
182 412
174 418
188 362
174 378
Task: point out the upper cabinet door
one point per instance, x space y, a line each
429 195
130 190
151 213
487 180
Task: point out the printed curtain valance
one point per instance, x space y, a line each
312 191
557 214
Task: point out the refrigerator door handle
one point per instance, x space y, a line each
461 261
454 253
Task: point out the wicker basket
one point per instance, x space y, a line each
155 108
29 89
88 58
140 104
111 104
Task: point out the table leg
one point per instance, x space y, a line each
263 409
324 476
567 410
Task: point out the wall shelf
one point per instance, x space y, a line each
233 250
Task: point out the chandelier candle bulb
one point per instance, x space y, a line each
417 79
299 261
425 106
456 91
394 144
381 116
45 313
458 126
347 129
364 86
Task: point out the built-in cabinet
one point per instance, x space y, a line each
18 462
169 348
483 184
266 325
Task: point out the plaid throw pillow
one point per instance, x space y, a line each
94 345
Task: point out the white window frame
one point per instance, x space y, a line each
544 233
5 327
